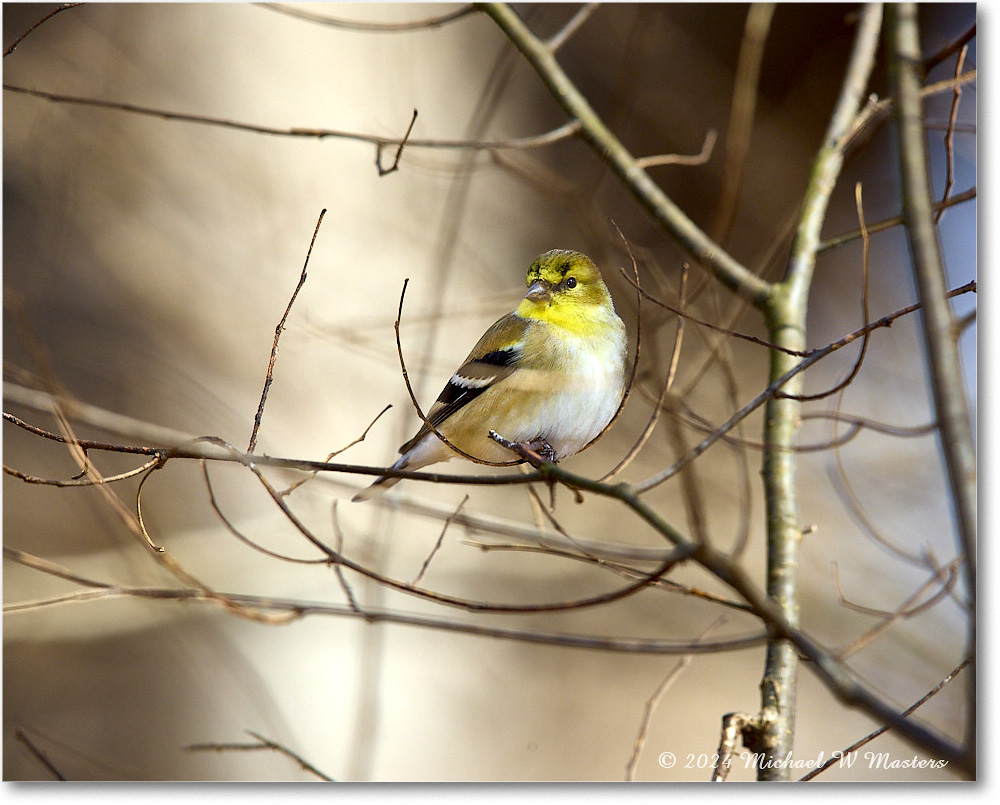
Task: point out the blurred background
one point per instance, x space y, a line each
147 261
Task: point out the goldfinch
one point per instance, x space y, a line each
550 375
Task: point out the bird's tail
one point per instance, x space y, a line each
381 484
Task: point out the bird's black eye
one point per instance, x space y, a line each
571 282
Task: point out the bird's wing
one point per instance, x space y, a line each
494 358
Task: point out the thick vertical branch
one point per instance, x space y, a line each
786 317
940 330
699 246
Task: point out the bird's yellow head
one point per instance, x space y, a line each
565 288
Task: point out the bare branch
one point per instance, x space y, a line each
288 607
667 385
836 756
562 36
46 18
786 314
941 338
371 27
86 481
292 487
760 399
876 112
563 132
866 244
935 59
440 539
399 150
676 556
889 223
19 733
944 579
671 218
654 700
277 334
657 160
857 511
949 137
339 547
262 743
232 529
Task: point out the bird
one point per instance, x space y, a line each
549 376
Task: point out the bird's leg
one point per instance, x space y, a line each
541 449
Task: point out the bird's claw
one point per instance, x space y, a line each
536 452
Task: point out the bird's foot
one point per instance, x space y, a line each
534 452
543 450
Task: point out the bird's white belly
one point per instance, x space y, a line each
569 409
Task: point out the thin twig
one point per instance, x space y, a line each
399 150
46 18
857 510
669 561
857 426
562 36
837 756
50 568
897 220
945 578
625 571
262 744
338 535
716 327
859 361
690 160
371 27
668 383
949 137
629 645
134 522
760 399
638 339
437 545
935 59
19 733
86 481
137 524
277 334
214 503
565 131
292 487
877 111
654 700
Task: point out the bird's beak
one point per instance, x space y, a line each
539 291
